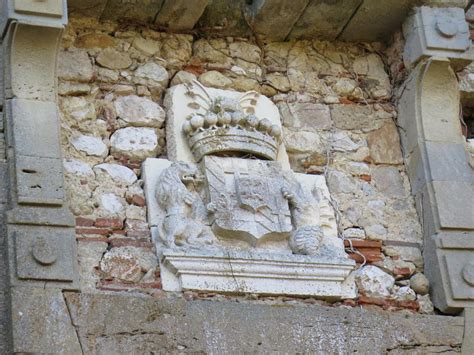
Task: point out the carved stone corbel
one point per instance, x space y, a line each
434 153
40 229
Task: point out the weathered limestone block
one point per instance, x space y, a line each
389 15
179 15
90 145
75 65
384 145
139 10
94 40
356 117
113 59
305 116
118 173
323 19
148 47
152 75
275 18
88 8
373 282
224 17
134 143
104 324
214 79
42 322
139 111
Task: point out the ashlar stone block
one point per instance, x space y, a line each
324 19
180 14
51 13
45 253
35 128
441 32
54 8
446 162
39 180
275 18
455 204
41 322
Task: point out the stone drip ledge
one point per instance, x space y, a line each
109 324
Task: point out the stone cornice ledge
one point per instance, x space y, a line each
263 273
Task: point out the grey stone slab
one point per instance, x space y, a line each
274 19
454 201
35 128
137 10
460 270
389 182
4 182
5 339
39 180
169 325
180 14
427 214
89 8
448 259
41 215
468 341
324 19
41 322
441 32
376 20
45 253
224 17
444 162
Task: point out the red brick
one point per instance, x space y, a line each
138 233
137 200
122 286
92 239
365 177
370 249
402 271
413 305
99 231
114 223
121 242
84 222
351 303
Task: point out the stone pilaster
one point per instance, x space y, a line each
39 227
437 44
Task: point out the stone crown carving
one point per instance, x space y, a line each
228 127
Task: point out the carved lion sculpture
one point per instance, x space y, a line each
182 224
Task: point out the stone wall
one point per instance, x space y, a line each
335 104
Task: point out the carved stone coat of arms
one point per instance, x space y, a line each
228 214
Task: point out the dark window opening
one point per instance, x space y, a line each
468 122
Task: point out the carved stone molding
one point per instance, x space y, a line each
40 229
